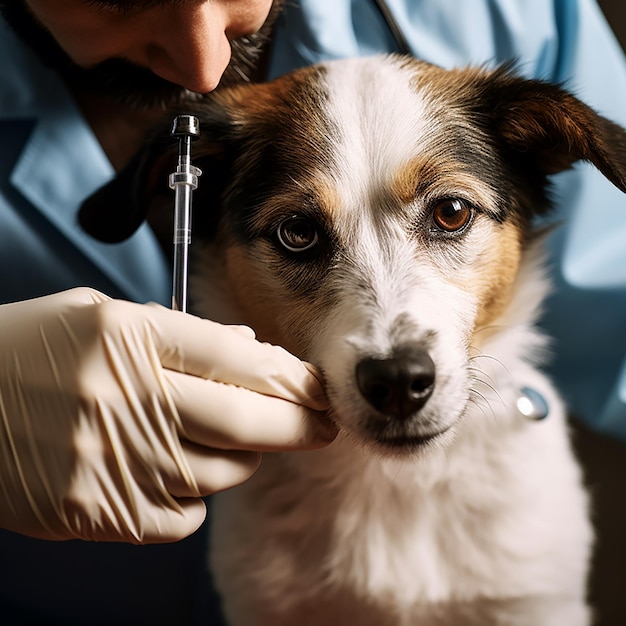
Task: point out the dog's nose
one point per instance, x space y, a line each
398 386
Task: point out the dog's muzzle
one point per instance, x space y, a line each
397 386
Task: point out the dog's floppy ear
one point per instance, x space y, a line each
556 128
115 211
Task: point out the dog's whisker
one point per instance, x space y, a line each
476 372
481 405
491 357
495 361
487 382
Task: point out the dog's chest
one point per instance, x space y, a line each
367 531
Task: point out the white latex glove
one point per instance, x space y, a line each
116 417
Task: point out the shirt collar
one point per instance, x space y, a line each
62 163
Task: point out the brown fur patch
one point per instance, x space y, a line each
276 315
255 290
293 100
441 177
494 282
314 194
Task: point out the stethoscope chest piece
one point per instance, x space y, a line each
531 404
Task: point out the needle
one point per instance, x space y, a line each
183 181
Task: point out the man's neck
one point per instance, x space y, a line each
120 129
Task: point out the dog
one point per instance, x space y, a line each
377 217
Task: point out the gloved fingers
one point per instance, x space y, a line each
223 416
246 331
213 470
231 355
145 512
53 304
75 296
173 523
83 295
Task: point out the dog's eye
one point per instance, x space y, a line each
452 215
297 234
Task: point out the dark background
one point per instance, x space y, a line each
604 461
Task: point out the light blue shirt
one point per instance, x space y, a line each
50 161
564 41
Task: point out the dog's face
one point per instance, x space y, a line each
370 216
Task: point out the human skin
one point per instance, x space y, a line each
186 43
125 61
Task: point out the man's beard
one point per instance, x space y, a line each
122 80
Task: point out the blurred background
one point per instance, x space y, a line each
604 461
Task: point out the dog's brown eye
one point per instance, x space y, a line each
452 215
297 234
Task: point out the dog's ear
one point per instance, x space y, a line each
554 127
141 190
114 212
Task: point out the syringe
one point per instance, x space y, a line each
183 181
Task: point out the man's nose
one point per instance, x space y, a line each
192 46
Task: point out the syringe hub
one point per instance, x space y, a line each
185 126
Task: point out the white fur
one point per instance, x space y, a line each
365 159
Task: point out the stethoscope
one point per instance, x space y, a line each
529 402
396 32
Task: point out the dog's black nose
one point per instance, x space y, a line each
398 386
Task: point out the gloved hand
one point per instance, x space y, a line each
116 417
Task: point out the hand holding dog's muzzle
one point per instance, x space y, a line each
117 417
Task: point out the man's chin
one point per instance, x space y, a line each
138 87
125 83
121 80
